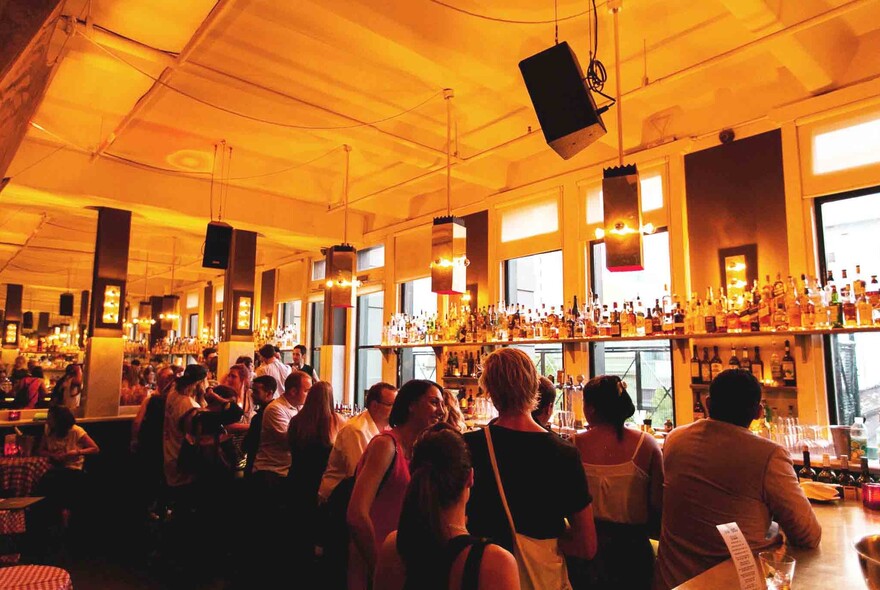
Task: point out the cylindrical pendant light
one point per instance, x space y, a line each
341 260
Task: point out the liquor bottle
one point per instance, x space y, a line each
615 321
733 363
826 475
696 376
844 477
793 306
865 476
709 323
864 311
648 322
705 367
657 326
746 363
806 473
758 365
699 412
872 291
789 371
775 365
716 363
678 319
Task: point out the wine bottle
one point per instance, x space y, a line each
699 411
733 363
696 376
865 476
758 365
789 372
705 367
716 363
844 477
825 474
745 363
806 473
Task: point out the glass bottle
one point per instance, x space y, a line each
758 365
717 365
806 473
826 475
789 370
696 376
844 477
733 363
865 475
705 367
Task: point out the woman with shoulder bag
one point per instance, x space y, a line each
530 492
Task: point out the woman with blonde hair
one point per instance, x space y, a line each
311 435
516 461
452 413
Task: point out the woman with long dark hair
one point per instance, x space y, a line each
383 474
432 549
311 435
624 468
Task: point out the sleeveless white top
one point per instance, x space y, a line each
620 492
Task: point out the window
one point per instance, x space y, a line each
535 282
849 147
369 333
847 224
417 299
532 219
319 270
290 316
317 333
193 325
373 257
645 366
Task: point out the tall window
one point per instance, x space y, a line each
535 282
373 257
193 325
849 225
417 299
290 314
369 333
645 366
317 334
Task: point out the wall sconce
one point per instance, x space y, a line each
109 305
10 334
27 320
243 308
623 227
169 313
449 260
739 268
341 284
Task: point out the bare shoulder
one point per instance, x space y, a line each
498 569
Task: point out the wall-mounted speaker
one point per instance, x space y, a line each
217 240
562 101
27 320
65 305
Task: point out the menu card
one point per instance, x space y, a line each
741 554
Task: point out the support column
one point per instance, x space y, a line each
679 259
333 350
237 338
83 318
104 353
267 300
391 300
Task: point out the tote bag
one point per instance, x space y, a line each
541 564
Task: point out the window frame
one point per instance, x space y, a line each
358 397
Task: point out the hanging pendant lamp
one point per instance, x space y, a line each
449 260
341 259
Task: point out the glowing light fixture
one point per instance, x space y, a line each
449 260
623 219
341 259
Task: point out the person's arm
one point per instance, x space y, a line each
498 570
337 464
390 571
138 421
655 492
787 502
580 539
377 459
85 446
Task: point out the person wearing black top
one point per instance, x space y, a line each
262 392
542 475
432 549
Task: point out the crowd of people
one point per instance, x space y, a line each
399 496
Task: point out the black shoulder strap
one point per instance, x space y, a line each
470 577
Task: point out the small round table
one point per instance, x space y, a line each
35 577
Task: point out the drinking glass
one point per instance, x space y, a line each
778 569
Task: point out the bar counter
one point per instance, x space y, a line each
833 563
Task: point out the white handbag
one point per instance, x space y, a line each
540 562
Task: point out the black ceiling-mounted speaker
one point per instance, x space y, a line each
217 240
65 305
27 320
562 101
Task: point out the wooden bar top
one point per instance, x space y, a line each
833 564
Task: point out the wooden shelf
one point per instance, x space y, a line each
783 389
671 337
462 379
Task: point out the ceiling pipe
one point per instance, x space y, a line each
219 10
693 69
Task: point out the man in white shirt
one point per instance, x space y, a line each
356 435
273 455
273 367
182 398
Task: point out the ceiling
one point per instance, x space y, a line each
146 91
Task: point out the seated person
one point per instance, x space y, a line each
31 389
717 472
543 412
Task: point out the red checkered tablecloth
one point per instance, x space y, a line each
19 475
34 577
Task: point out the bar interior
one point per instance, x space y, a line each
682 196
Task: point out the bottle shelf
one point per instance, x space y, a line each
679 338
461 379
778 389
